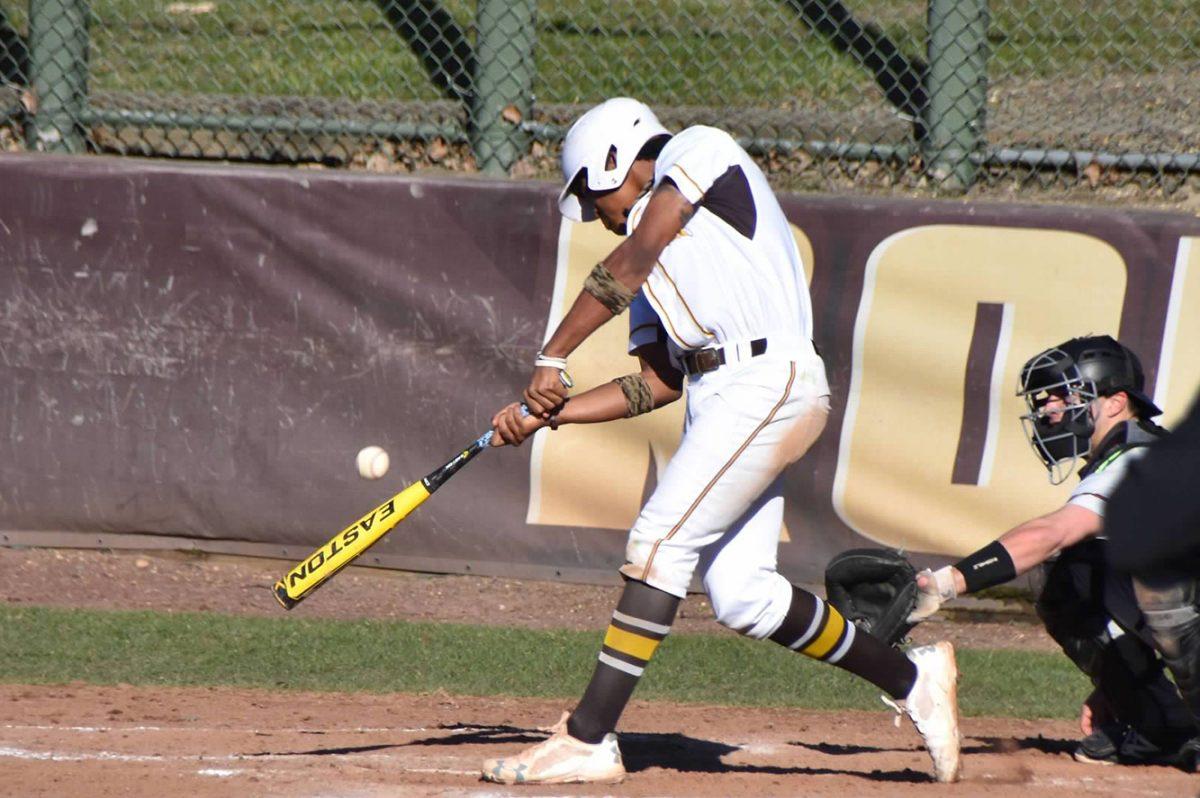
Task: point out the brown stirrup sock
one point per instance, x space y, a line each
817 630
642 619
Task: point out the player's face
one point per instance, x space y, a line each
1056 404
612 207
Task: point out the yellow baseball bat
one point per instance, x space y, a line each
347 545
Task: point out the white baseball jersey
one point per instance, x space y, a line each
734 273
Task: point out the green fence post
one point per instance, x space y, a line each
957 90
503 81
58 70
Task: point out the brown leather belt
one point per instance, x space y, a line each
702 361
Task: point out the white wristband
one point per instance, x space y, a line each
560 363
545 361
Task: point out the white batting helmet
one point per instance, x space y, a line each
620 126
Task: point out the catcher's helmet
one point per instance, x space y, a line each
1076 371
613 132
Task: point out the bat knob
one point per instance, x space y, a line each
280 593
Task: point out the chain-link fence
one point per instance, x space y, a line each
916 93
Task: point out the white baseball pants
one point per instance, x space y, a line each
719 503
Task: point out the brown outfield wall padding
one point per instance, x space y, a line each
196 353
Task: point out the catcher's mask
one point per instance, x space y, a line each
599 150
1059 386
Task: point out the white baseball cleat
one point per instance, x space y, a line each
932 705
561 759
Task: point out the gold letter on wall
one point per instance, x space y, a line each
927 292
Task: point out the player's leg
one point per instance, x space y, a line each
583 747
641 621
673 527
750 596
728 456
738 441
1169 603
1091 614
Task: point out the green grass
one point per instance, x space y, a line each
45 645
694 52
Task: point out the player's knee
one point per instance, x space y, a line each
1171 613
1170 627
665 567
740 615
1169 605
748 608
1176 633
1084 647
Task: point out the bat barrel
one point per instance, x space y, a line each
344 547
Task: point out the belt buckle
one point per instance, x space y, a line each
707 360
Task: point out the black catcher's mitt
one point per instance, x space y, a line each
874 588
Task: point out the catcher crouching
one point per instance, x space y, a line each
1086 406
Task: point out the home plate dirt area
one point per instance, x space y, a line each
78 740
135 742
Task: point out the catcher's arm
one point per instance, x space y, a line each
1015 552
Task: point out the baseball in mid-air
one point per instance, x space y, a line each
372 462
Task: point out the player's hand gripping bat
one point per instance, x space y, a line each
355 539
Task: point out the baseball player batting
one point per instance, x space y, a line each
714 284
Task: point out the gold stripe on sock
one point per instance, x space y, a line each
629 643
834 626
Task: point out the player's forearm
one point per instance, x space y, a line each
623 272
628 265
1025 546
1032 543
585 317
1014 553
608 402
603 403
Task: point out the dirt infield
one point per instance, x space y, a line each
136 741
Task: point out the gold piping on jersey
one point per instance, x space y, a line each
630 224
786 392
662 314
683 301
683 172
634 219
